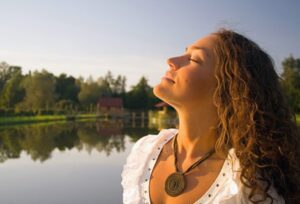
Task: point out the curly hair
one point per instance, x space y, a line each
255 118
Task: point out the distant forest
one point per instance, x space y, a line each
41 92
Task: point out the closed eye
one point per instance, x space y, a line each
191 59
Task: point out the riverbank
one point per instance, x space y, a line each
52 118
44 118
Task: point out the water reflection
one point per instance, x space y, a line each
65 163
39 141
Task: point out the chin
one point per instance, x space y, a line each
162 93
157 91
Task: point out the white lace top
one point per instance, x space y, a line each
226 189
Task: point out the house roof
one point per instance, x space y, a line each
110 102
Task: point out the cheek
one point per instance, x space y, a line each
197 80
197 84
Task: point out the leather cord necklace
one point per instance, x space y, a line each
175 183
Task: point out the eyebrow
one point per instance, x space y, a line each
198 48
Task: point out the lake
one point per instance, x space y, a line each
65 163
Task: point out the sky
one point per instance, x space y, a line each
134 38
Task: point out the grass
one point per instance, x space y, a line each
50 118
298 118
42 118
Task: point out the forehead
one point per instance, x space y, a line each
206 43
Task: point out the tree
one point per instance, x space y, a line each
111 86
66 88
104 86
291 81
119 85
12 93
138 96
89 94
6 72
39 91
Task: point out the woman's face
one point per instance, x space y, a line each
192 74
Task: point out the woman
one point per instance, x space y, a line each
237 140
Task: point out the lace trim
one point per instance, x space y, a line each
134 167
140 162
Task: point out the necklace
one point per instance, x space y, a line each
175 183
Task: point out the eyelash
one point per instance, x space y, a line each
194 60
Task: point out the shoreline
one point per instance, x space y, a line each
14 120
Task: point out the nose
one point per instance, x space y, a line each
172 63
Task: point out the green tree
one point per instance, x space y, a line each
39 91
139 95
6 72
12 93
111 86
119 85
105 87
66 88
291 81
89 94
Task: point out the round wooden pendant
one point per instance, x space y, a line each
175 184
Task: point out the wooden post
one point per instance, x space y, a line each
143 119
133 119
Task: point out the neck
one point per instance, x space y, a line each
195 134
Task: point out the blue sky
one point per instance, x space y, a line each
135 37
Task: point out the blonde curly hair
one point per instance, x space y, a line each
255 118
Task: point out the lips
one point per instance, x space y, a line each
169 77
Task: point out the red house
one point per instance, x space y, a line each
112 106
